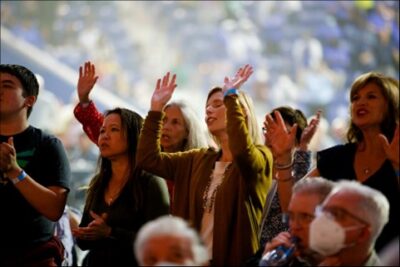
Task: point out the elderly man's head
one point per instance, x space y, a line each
169 240
308 193
350 220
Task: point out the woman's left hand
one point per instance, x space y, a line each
241 76
392 149
97 229
309 131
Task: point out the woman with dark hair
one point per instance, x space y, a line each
181 131
121 197
300 134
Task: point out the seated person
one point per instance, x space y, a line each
348 224
169 240
307 194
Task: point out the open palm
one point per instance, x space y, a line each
281 141
87 79
163 92
392 149
241 76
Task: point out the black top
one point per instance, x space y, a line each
43 158
125 221
337 163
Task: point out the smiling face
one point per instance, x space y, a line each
216 113
368 106
112 139
174 131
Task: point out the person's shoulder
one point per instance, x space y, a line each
43 136
338 148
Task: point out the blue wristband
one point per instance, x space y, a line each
20 177
231 91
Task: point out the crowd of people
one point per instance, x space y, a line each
80 185
232 199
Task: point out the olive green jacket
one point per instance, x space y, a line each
241 196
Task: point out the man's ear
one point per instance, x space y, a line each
30 101
366 233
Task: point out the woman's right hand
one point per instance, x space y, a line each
163 92
87 79
280 140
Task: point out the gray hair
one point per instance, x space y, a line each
170 226
314 185
373 207
197 135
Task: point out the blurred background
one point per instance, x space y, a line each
305 54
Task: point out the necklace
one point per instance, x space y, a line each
112 196
209 200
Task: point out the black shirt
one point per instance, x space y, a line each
43 158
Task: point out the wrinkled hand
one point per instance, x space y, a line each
87 79
241 77
96 229
163 92
8 156
392 149
309 131
279 139
283 238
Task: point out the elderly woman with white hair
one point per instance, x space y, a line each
169 241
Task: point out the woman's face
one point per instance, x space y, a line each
216 113
368 106
174 131
112 139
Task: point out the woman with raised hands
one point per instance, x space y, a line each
220 191
181 130
288 135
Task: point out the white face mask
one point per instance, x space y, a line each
327 237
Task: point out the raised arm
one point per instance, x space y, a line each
85 111
243 134
149 155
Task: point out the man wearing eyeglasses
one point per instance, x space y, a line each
307 194
347 225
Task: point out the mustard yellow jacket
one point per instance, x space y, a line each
241 196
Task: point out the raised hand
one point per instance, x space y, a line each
163 92
241 76
309 131
87 79
279 139
392 149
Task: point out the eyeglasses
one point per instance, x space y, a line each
339 214
301 218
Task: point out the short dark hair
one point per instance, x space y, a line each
292 116
30 84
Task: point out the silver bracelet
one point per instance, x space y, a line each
283 167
